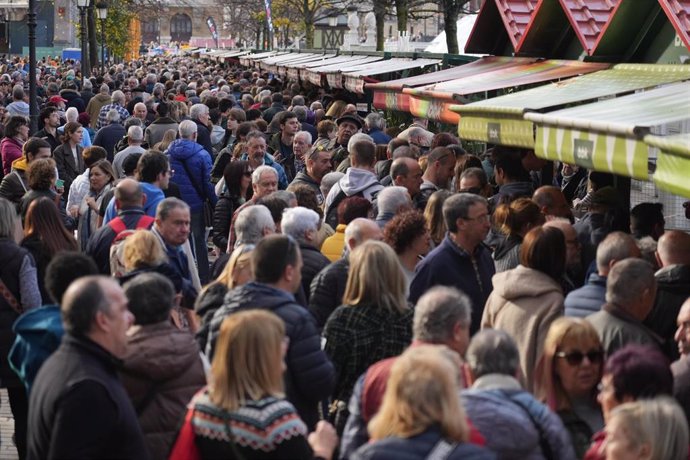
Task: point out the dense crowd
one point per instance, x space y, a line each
204 261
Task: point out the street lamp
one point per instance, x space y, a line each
82 5
102 12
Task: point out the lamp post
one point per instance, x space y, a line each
82 5
102 12
33 102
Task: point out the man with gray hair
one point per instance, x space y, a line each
135 137
375 124
391 201
630 293
346 163
513 423
301 144
303 224
109 135
461 260
252 224
93 108
118 103
441 317
199 114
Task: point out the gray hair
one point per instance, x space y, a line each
356 138
627 280
166 206
135 133
329 180
258 172
390 199
251 222
117 96
8 219
300 112
187 129
438 311
297 101
113 116
86 84
353 231
196 110
104 89
72 114
286 196
616 246
375 120
492 351
133 121
305 134
297 221
458 206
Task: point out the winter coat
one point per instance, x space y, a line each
310 376
74 99
108 136
333 246
203 137
156 130
188 157
327 289
95 105
524 303
162 371
10 149
588 299
616 329
68 169
15 185
222 217
304 178
312 263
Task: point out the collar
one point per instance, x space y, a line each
91 347
496 382
132 210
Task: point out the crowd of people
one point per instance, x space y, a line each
204 261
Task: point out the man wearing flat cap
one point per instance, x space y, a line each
348 125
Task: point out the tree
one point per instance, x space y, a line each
451 11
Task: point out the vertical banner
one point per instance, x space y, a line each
212 28
269 22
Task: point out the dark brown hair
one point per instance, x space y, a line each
44 221
543 249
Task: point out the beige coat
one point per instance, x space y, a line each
524 303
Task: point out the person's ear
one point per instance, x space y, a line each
101 321
644 451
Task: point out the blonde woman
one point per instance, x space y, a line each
433 213
421 415
243 412
374 322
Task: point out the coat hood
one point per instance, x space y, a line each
523 282
183 149
20 164
357 180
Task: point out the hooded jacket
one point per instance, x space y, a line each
188 157
524 303
95 105
356 181
14 185
11 150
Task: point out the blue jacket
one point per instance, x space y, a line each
268 161
588 299
154 195
184 152
448 265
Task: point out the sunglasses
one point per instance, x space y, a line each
575 358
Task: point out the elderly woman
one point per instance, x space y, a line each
16 134
407 234
374 322
567 378
101 178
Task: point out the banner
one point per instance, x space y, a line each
212 28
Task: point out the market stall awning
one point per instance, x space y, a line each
314 74
284 66
354 80
271 64
291 69
250 59
231 55
500 120
434 101
607 135
672 162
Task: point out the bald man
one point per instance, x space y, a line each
673 287
552 202
681 367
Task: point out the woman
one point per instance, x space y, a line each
421 414
20 293
101 178
653 429
567 378
44 236
374 322
433 213
68 156
514 220
243 413
407 234
238 189
168 137
16 134
527 299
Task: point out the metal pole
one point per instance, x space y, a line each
82 14
33 103
102 47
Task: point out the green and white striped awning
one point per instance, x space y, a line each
672 163
607 135
500 120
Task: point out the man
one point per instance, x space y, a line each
86 92
461 260
375 124
302 224
109 135
383 167
441 317
552 202
318 164
97 102
276 105
253 223
513 422
359 180
156 130
328 286
140 112
589 298
258 156
439 170
681 367
510 175
277 264
199 114
630 292
406 172
15 185
78 407
280 144
18 106
390 202
135 137
51 120
348 125
673 286
192 165
117 103
129 201
302 115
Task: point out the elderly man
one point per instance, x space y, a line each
199 114
391 201
681 367
375 124
348 125
117 103
406 172
301 144
258 156
253 223
318 164
461 260
630 293
135 137
140 112
78 407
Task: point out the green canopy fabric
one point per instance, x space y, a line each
673 162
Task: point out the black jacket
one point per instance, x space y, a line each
203 137
673 288
327 289
108 137
79 409
222 217
310 376
312 263
304 178
14 186
68 168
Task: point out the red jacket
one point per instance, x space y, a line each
11 149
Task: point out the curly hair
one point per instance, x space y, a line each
41 173
401 231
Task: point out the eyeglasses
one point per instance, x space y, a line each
575 358
475 190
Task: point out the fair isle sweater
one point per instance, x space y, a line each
265 429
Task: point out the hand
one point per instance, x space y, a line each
91 202
323 440
74 211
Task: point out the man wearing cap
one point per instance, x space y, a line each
118 103
58 102
135 137
347 126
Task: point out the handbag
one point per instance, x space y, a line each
185 447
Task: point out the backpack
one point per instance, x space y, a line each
117 247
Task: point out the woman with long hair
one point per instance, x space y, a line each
514 220
238 189
374 322
168 137
68 155
101 178
45 236
243 412
433 213
16 134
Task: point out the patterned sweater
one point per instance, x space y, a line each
265 429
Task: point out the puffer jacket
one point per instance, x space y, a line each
188 157
310 376
327 289
161 373
222 216
524 303
588 299
312 263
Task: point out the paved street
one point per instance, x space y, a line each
7 449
